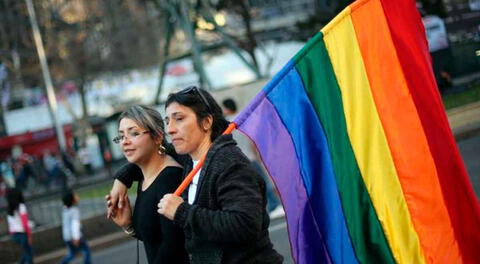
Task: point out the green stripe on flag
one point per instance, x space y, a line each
315 68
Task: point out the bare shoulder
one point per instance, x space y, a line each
171 162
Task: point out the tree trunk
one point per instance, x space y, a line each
83 124
251 41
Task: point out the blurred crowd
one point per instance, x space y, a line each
32 174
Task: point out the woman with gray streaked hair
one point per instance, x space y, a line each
141 137
223 212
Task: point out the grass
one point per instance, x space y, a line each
465 96
99 191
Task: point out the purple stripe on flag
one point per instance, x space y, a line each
282 164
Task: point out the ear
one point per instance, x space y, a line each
158 140
207 123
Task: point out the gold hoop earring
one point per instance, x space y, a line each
161 149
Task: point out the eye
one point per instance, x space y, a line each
134 134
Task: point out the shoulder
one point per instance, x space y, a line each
171 175
73 210
230 154
172 170
230 162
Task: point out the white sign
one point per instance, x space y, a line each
436 33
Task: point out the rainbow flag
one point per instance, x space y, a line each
354 134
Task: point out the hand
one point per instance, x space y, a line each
168 205
76 242
123 216
116 198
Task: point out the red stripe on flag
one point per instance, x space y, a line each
409 39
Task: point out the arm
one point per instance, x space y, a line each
124 178
123 216
24 218
239 194
129 173
75 226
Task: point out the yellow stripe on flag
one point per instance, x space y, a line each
368 140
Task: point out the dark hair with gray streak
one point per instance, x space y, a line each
193 99
148 118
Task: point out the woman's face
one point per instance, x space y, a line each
136 145
182 126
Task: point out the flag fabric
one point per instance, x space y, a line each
354 134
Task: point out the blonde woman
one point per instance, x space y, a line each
141 138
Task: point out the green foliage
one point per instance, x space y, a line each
99 191
469 95
95 191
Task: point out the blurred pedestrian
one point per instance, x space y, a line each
71 229
86 160
7 171
50 163
274 206
18 226
67 161
223 212
3 186
142 140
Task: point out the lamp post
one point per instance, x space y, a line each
52 101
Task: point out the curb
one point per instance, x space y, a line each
465 121
467 131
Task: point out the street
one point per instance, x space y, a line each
126 252
470 151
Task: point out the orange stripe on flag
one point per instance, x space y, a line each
407 141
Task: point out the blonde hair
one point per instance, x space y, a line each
148 118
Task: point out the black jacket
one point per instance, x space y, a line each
228 221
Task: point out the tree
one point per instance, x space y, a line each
242 8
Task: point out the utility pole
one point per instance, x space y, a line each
52 101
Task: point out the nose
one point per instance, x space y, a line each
171 129
125 141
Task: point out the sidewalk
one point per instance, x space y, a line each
465 121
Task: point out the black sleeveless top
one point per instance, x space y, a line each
164 242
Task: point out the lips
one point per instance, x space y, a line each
176 140
128 152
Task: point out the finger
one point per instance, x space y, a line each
121 201
110 213
108 198
161 211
